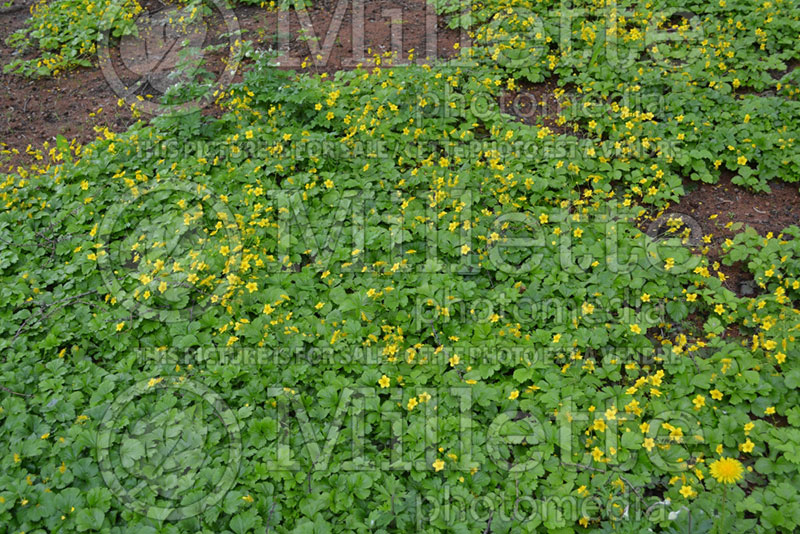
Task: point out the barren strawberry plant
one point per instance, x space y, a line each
375 301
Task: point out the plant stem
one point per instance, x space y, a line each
722 511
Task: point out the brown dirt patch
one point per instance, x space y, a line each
715 206
765 212
344 37
535 104
35 111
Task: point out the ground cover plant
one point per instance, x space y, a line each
65 33
374 302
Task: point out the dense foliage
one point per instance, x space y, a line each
65 33
403 310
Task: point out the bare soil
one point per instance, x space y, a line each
714 206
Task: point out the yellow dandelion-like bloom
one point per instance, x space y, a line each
726 470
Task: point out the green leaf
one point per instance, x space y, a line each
89 519
130 451
677 310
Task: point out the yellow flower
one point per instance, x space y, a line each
747 446
556 338
424 396
648 444
687 492
742 160
699 401
247 498
645 297
120 326
599 424
454 360
587 308
438 465
465 249
412 402
726 470
716 394
384 381
47 435
691 297
514 394
337 334
770 410
636 329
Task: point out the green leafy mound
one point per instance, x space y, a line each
66 33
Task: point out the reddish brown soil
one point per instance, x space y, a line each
765 212
398 26
535 103
713 206
35 111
